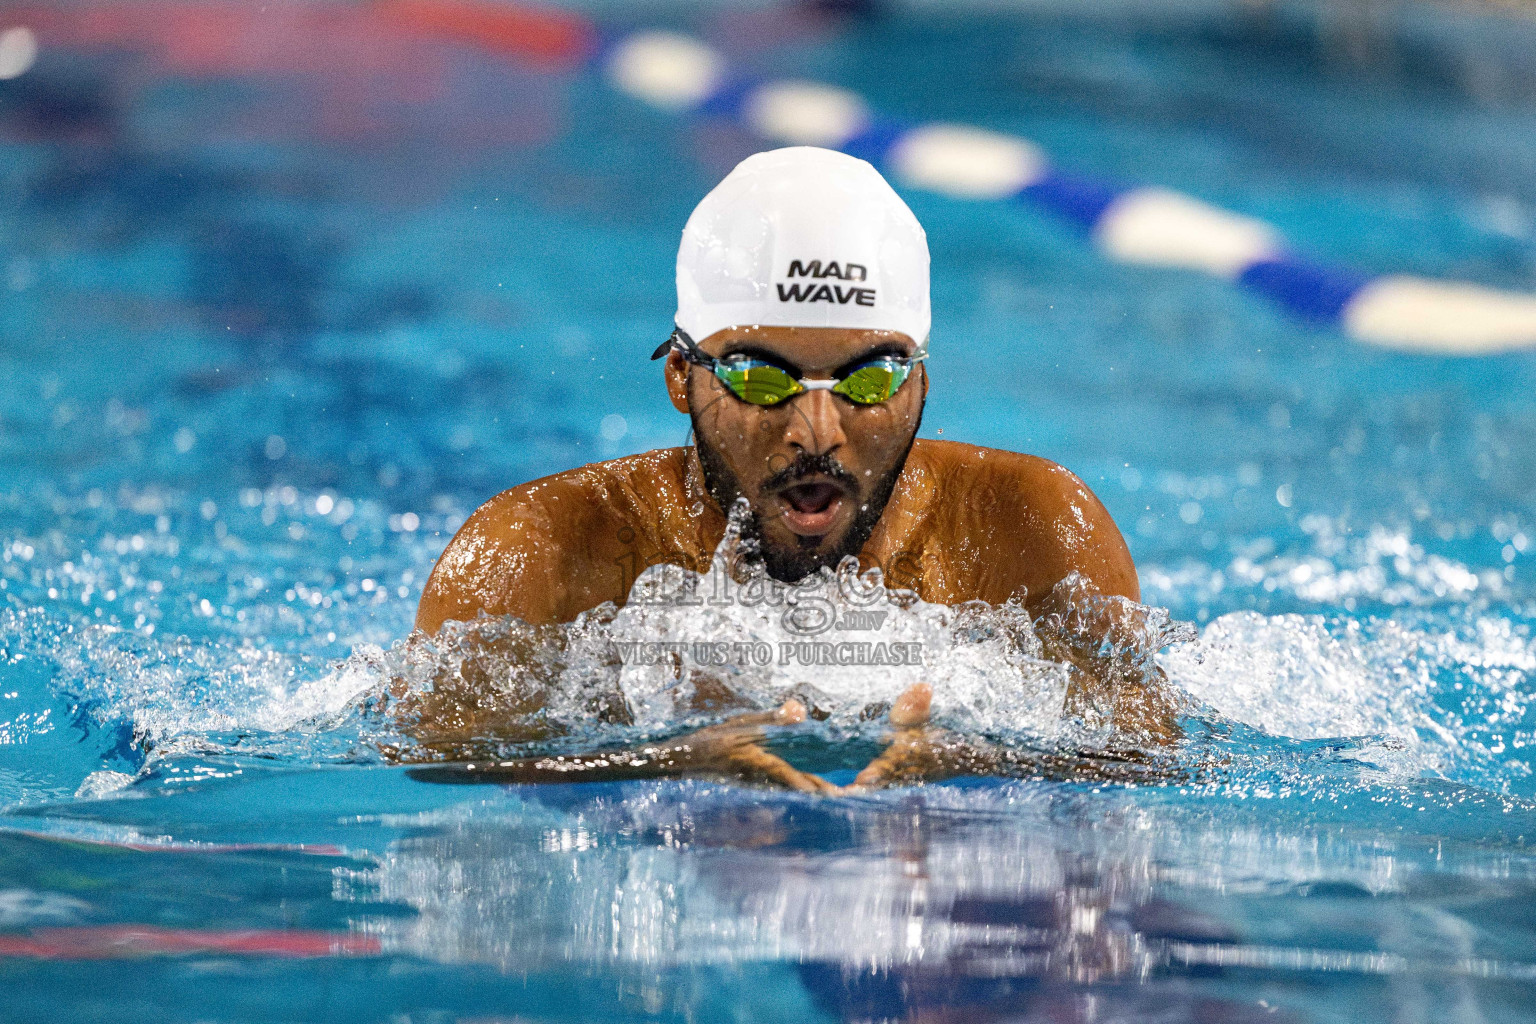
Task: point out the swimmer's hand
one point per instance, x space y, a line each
734 748
1110 649
916 752
920 752
1139 703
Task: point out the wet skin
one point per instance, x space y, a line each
962 523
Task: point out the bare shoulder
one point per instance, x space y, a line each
1036 483
530 550
1030 518
994 464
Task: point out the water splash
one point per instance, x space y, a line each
687 648
1380 568
1407 696
1452 699
839 640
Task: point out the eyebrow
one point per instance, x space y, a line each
746 348
881 351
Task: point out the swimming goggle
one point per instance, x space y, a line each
760 382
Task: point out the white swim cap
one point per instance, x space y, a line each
803 237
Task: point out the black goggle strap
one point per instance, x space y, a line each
686 347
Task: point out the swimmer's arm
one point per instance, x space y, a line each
1045 524
1065 531
919 753
1111 646
519 555
733 750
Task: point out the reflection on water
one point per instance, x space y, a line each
996 899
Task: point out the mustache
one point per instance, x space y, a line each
811 465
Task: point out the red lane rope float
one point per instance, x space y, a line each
552 37
368 65
222 37
131 941
217 38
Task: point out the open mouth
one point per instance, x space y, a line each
810 508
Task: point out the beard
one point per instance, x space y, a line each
793 564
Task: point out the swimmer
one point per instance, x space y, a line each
799 354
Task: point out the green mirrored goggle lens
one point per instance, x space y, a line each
760 383
874 382
754 381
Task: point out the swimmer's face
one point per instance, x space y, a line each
817 468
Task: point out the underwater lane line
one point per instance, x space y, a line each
132 941
175 846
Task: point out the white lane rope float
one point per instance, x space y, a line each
1140 225
18 51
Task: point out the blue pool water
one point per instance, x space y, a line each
269 335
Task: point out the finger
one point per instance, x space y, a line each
803 782
791 712
912 707
823 787
874 775
756 760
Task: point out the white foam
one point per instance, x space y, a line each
178 694
102 783
1300 676
1308 677
980 681
1290 676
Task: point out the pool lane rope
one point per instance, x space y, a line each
1146 225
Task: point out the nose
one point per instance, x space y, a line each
815 423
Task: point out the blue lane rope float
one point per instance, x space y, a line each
1142 225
